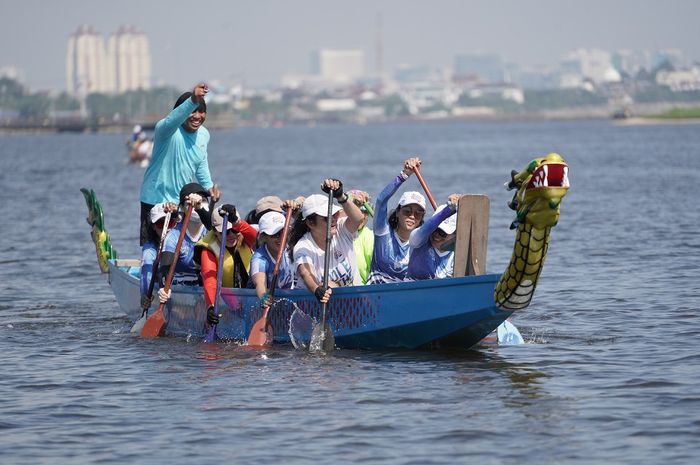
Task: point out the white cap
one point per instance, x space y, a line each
410 197
317 204
271 223
448 225
157 212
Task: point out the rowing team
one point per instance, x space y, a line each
400 246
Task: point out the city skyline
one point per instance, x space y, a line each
259 43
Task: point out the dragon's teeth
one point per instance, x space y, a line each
545 176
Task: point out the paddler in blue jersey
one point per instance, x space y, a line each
392 230
432 244
179 155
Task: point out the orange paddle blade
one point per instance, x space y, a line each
261 333
155 324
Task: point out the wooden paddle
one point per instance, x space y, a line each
210 336
138 326
425 188
322 337
261 333
155 324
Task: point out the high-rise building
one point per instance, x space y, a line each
86 63
129 59
125 64
338 65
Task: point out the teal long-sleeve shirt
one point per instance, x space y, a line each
178 157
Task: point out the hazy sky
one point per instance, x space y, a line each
258 40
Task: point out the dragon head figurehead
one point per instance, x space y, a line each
540 188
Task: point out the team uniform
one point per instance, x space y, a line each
364 246
186 270
263 262
426 262
391 254
343 264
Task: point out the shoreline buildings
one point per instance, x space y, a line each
120 65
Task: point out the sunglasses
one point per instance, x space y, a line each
409 212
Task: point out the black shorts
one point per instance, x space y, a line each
147 233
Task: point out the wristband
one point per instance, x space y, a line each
403 175
341 200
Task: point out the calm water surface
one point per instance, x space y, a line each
610 373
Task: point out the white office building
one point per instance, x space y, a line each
123 65
340 66
86 64
129 60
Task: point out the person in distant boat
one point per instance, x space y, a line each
240 242
179 154
149 251
144 149
186 269
432 244
308 242
391 232
262 264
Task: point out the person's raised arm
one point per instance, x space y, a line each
355 216
178 115
380 223
199 91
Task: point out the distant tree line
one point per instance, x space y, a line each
17 101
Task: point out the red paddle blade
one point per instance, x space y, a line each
261 333
155 324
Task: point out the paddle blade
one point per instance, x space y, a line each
138 326
261 333
472 235
508 334
210 336
155 324
322 339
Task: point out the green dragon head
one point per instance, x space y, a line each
540 188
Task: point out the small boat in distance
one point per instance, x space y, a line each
139 147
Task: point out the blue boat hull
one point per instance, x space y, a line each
454 312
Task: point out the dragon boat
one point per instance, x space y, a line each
453 312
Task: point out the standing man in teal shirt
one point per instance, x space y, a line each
179 154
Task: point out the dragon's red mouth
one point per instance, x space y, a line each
550 175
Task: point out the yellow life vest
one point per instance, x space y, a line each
210 242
